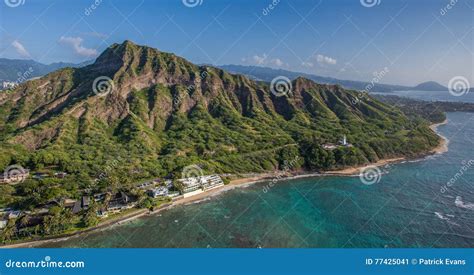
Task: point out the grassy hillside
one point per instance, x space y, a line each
163 113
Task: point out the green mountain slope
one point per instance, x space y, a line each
164 113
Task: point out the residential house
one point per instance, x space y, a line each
119 202
160 191
86 201
60 175
14 214
69 204
3 222
169 184
79 205
99 197
40 176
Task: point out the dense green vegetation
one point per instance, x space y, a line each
166 113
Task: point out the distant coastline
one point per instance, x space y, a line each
442 147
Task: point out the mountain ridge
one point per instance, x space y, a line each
267 74
20 66
19 70
160 113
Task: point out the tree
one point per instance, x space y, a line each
24 221
90 217
58 221
9 231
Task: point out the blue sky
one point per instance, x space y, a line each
416 40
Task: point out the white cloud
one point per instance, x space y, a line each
277 62
260 60
307 64
20 49
76 44
264 60
321 59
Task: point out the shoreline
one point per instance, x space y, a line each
443 145
236 183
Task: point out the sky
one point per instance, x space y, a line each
413 40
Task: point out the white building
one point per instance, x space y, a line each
200 184
344 142
190 184
3 223
210 182
161 191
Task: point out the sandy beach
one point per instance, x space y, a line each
443 145
236 183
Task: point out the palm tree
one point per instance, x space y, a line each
9 231
24 221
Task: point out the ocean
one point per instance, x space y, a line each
423 203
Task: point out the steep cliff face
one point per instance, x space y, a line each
156 111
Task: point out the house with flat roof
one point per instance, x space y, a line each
190 184
210 182
202 183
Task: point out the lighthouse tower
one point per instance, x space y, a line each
344 141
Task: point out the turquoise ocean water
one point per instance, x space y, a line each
406 208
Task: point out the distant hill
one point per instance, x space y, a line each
430 86
14 69
267 74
